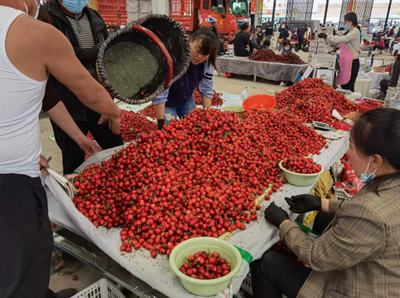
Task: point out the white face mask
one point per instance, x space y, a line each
37 10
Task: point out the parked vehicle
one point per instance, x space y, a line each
227 15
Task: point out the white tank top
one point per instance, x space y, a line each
20 104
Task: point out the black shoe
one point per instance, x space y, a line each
67 293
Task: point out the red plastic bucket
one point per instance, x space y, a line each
261 101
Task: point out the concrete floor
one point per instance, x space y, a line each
86 275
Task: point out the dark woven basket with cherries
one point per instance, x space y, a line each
142 60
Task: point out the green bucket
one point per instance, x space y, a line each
211 286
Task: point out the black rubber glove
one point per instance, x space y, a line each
304 203
322 35
160 123
275 215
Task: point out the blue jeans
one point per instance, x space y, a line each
181 111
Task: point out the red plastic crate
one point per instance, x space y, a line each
113 12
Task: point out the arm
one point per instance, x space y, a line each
63 119
334 40
60 60
159 103
357 233
206 86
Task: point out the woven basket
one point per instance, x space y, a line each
166 41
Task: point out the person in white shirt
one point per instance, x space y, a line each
29 51
307 34
349 47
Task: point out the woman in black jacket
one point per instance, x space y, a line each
284 34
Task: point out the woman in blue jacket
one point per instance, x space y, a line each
178 100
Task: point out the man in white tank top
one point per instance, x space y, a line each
29 51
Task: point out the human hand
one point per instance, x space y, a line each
43 164
114 123
323 35
275 215
89 146
304 203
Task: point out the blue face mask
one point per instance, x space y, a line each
346 27
75 6
367 179
287 48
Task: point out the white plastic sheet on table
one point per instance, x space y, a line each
376 78
258 237
268 70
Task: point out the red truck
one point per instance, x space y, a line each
227 15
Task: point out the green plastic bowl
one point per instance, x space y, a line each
205 287
237 109
300 179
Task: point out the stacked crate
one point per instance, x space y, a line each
138 8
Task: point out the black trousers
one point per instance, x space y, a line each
275 274
72 154
354 73
301 40
26 238
384 84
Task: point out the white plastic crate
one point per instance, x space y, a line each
392 99
102 288
341 194
246 285
393 93
324 61
132 16
132 5
145 6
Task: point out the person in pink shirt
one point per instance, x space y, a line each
381 44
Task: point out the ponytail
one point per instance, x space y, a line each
208 42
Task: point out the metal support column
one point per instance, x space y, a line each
387 15
256 17
273 14
326 11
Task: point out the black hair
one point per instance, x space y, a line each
44 15
208 45
267 42
378 132
286 42
351 17
244 26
